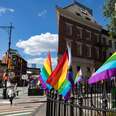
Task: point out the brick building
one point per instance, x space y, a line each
15 63
89 41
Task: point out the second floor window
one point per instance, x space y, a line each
79 32
115 45
88 35
79 48
110 43
97 52
68 29
88 50
97 38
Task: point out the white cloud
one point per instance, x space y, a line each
39 44
4 10
40 61
42 13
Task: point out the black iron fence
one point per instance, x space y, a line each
86 100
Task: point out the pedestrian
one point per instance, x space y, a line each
11 95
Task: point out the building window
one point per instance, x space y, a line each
110 43
88 18
68 29
79 48
97 38
88 50
88 35
115 45
78 14
79 32
97 52
103 41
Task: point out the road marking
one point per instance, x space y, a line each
5 102
19 114
16 111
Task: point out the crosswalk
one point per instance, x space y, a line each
19 109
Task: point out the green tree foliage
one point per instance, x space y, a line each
110 13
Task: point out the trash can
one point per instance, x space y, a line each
113 93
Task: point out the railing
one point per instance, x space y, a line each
85 100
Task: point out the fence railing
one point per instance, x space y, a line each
86 100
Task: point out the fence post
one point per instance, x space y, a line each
48 106
72 107
55 105
60 98
104 99
80 104
64 107
104 106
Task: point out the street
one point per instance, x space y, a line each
23 105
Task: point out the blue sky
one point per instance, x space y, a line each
35 23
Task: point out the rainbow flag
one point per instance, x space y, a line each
107 70
65 88
78 77
45 72
59 74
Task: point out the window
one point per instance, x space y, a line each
88 18
68 28
115 45
78 14
103 40
79 32
110 43
88 50
97 38
88 35
97 52
79 48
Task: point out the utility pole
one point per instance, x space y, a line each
9 28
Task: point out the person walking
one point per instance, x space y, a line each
11 95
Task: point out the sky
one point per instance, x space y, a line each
35 29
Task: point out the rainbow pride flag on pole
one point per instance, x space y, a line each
58 76
78 77
65 88
45 72
107 70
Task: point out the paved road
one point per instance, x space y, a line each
23 105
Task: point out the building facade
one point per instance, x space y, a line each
15 64
78 28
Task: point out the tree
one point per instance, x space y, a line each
110 13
